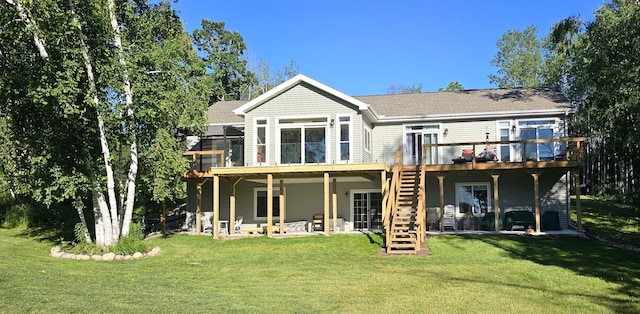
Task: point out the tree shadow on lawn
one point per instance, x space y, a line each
581 256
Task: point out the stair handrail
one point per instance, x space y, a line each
420 215
391 200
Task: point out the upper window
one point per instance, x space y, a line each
303 140
535 130
367 139
261 141
344 136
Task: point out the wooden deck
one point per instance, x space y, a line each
570 160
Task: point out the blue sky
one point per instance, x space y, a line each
364 47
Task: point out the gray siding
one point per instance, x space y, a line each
385 141
304 101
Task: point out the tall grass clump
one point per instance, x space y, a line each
133 242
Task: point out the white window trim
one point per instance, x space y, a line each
489 196
367 139
280 126
276 193
555 127
512 136
440 131
254 154
352 198
337 124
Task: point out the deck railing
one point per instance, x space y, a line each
205 160
547 150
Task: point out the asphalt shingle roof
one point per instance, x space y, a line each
469 101
434 103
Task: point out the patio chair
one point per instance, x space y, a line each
237 224
207 223
449 217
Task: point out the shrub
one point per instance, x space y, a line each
134 242
80 244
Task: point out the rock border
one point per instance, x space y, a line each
107 257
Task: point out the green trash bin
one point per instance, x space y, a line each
489 222
550 220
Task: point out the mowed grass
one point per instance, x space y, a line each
610 220
318 274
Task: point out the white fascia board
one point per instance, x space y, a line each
242 110
478 115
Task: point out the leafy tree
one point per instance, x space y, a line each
603 80
266 78
401 89
519 59
452 87
223 55
108 96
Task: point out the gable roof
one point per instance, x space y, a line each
480 103
296 80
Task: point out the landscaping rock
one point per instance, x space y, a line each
84 257
119 257
96 257
56 253
128 257
137 255
108 256
154 252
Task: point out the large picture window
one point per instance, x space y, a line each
303 140
472 198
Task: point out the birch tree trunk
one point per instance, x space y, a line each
101 211
107 216
32 26
133 166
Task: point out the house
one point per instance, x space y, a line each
403 164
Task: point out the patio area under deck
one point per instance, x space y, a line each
328 173
570 159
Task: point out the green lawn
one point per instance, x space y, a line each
610 220
339 273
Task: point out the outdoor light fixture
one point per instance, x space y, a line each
332 122
513 129
446 132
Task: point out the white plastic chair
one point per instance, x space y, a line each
449 217
237 224
207 222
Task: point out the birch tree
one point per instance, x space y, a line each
81 123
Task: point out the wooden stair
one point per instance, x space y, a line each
403 233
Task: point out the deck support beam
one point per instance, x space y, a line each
216 205
232 206
334 205
578 209
269 204
496 206
441 186
281 207
199 206
536 199
326 203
